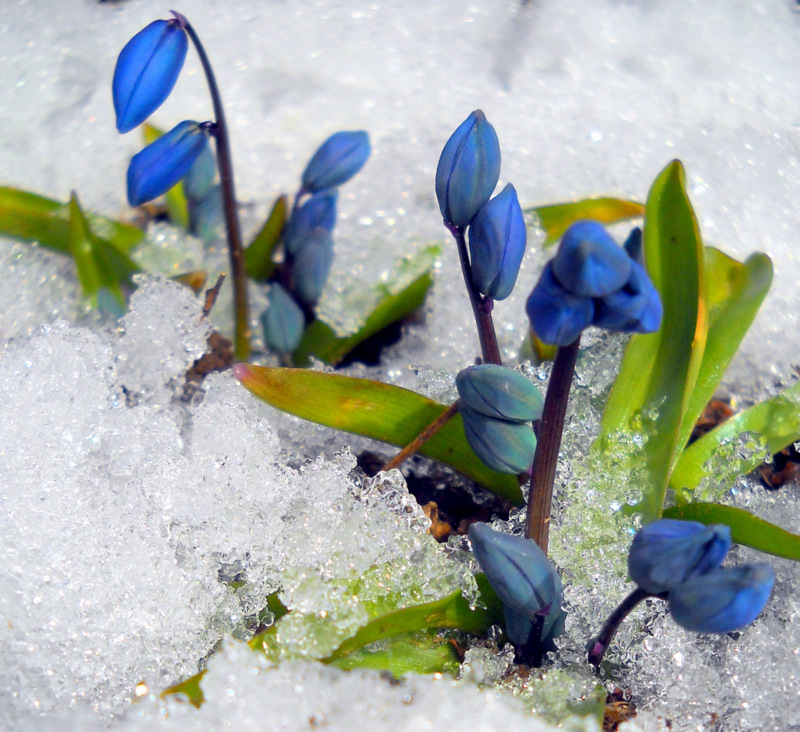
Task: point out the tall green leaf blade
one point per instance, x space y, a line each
774 423
376 410
258 256
557 218
29 217
745 528
396 299
734 293
659 370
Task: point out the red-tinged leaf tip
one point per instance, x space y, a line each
240 371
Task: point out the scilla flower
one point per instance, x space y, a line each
338 159
146 71
524 579
319 211
468 170
497 238
312 265
592 281
282 321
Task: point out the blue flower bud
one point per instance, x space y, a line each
557 316
589 262
199 180
146 72
635 308
499 392
319 211
165 161
633 245
666 553
282 321
468 170
507 447
523 578
497 237
206 217
311 266
339 158
723 599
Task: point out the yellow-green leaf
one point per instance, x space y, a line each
659 370
258 256
557 218
376 410
745 528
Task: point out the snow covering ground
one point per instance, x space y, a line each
126 513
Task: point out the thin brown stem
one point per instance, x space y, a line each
551 425
232 227
600 643
481 306
422 437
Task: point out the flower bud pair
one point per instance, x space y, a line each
681 559
525 581
592 281
496 406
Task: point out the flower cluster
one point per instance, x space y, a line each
592 281
308 238
525 580
497 406
468 171
680 560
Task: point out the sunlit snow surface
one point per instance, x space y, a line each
127 513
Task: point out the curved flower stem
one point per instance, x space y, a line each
551 425
422 437
600 643
232 226
481 306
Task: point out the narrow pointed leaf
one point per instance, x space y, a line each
557 218
376 410
174 198
659 370
396 299
745 528
775 422
29 217
258 256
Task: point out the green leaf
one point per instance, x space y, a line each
734 293
190 688
557 218
659 370
745 528
768 426
258 256
101 269
174 198
394 300
372 409
423 652
29 217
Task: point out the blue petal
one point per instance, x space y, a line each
468 170
635 308
319 211
312 265
499 392
557 316
146 72
723 599
589 263
163 163
523 578
497 238
339 158
283 321
666 553
507 447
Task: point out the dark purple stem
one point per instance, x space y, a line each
232 226
481 306
551 425
600 643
